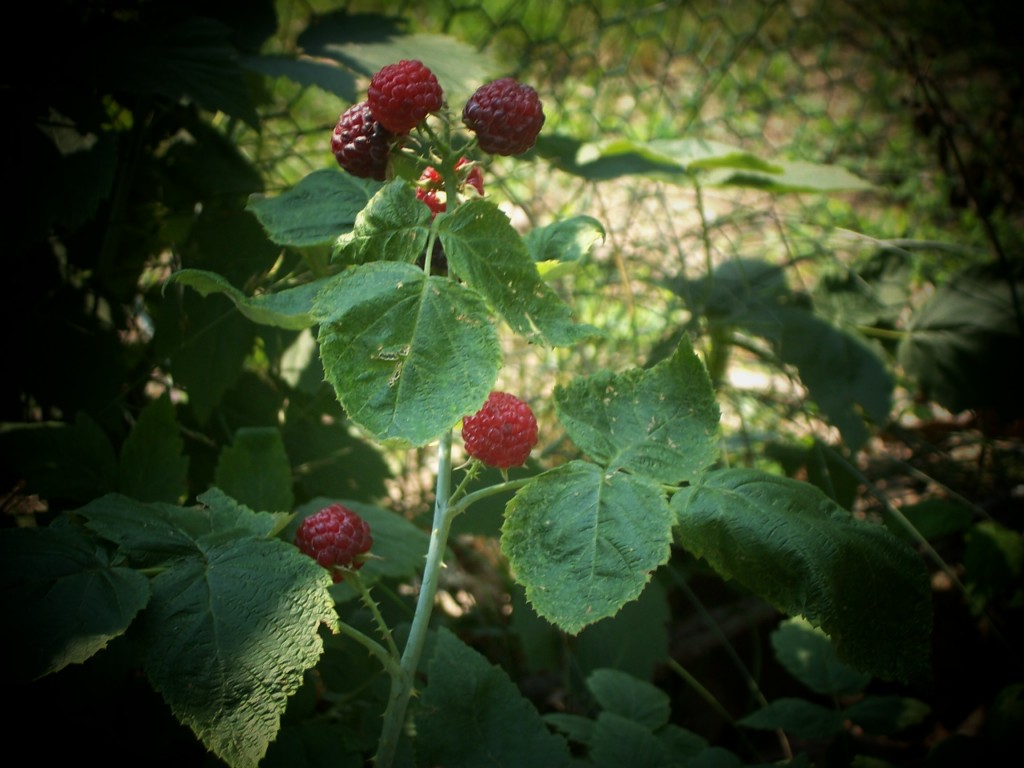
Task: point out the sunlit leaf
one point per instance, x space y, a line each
288 309
316 210
584 543
660 422
408 355
485 250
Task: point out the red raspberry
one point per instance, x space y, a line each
335 537
502 433
360 144
402 94
505 115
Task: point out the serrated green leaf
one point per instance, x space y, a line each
154 533
808 655
315 211
619 741
288 309
485 250
305 70
472 714
393 226
660 422
584 543
62 598
932 518
228 635
886 715
629 697
408 355
794 547
255 469
957 343
560 247
152 465
798 717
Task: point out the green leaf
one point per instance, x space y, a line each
791 545
255 469
932 518
408 355
619 741
635 640
808 655
393 226
486 251
472 714
800 718
316 210
288 309
207 358
994 561
844 376
560 247
793 176
152 534
629 697
575 727
153 466
62 598
886 715
584 543
305 70
228 635
958 342
75 462
190 58
685 155
660 422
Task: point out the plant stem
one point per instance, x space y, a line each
402 683
374 609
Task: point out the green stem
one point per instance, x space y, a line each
402 683
376 649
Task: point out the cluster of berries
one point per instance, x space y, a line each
505 115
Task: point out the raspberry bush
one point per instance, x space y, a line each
397 272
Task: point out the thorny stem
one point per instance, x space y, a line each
402 683
371 605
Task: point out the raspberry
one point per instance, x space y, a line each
402 94
502 433
505 115
335 537
429 196
360 144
